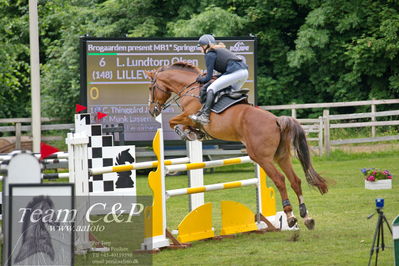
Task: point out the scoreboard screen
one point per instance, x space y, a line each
114 80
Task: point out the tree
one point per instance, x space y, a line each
308 50
14 71
348 50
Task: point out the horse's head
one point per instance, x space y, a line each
175 78
158 94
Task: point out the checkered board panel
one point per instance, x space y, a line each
101 153
82 124
112 182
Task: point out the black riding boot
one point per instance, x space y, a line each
203 115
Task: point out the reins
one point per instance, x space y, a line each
174 99
179 95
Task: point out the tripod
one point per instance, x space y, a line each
378 235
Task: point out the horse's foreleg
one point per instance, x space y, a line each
286 165
181 125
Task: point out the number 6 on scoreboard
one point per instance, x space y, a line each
102 63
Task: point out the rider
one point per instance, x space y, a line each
233 72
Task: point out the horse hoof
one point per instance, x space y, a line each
291 221
309 223
192 136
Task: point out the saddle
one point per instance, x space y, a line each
225 98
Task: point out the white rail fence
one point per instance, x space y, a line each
317 129
20 125
324 124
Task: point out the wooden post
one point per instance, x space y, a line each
18 132
373 111
326 114
293 111
320 136
35 74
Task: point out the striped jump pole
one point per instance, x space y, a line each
120 168
7 157
197 224
58 155
52 176
212 187
208 164
135 166
55 161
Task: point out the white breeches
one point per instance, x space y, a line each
235 80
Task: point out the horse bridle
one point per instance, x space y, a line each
161 107
153 88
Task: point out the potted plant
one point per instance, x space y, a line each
377 179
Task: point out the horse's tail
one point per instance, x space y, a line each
291 130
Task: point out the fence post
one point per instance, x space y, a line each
18 133
326 114
293 111
320 136
373 111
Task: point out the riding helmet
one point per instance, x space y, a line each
206 39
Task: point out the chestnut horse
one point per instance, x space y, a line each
267 138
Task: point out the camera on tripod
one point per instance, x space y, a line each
379 203
378 240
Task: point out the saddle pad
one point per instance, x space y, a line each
225 102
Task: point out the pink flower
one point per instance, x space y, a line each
389 177
371 178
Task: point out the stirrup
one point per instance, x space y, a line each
241 91
201 118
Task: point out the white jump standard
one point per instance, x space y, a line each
197 225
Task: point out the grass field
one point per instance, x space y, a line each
343 234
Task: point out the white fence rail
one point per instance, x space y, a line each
320 127
327 122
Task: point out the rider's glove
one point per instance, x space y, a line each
201 79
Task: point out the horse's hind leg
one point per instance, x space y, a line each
286 165
279 180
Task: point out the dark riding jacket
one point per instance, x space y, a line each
223 61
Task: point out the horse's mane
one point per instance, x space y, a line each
181 66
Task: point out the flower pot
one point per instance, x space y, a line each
378 184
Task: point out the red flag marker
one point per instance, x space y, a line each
80 108
46 150
101 115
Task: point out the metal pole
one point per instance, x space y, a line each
35 74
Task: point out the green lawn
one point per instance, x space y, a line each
343 234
